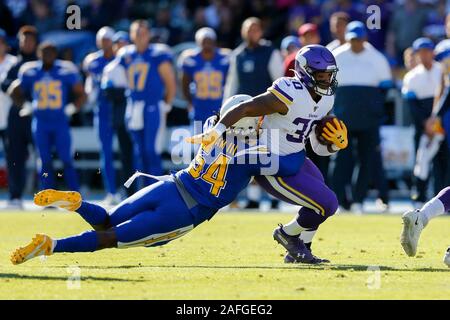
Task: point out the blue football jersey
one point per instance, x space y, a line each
215 178
141 69
94 64
49 89
208 80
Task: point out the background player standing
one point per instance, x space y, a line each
19 126
93 65
49 82
203 76
147 71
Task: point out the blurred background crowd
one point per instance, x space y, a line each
385 124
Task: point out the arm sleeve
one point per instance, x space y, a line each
275 65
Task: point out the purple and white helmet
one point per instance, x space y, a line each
316 58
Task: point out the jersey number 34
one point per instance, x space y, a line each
214 174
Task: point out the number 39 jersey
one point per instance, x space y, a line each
293 128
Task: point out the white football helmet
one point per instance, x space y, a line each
245 125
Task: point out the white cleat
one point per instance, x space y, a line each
412 228
447 257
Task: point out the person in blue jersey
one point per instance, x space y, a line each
168 209
50 82
147 73
93 66
203 74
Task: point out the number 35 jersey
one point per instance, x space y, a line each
293 128
49 89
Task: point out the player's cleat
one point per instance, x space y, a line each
447 257
412 227
290 259
14 204
69 200
40 245
295 246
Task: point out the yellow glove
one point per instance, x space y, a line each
336 134
208 138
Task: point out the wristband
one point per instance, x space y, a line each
220 128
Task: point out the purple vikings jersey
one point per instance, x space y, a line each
208 80
49 89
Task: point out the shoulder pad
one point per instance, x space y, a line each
29 68
66 66
160 48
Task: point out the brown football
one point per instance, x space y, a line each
319 128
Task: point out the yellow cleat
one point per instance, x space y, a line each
69 200
40 245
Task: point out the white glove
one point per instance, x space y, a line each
70 109
26 110
164 106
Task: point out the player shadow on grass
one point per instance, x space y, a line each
44 277
338 267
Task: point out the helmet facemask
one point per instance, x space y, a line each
311 60
320 87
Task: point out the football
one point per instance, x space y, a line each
319 128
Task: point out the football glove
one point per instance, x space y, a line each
336 134
208 138
433 126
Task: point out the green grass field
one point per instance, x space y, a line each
231 257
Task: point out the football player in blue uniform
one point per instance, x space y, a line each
93 66
49 82
147 73
204 70
170 208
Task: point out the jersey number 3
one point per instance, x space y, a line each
300 133
215 173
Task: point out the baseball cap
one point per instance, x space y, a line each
307 27
422 43
288 41
121 36
104 33
355 30
442 50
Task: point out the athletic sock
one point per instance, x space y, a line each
93 214
307 237
293 228
85 242
431 209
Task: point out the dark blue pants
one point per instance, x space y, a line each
18 138
49 135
